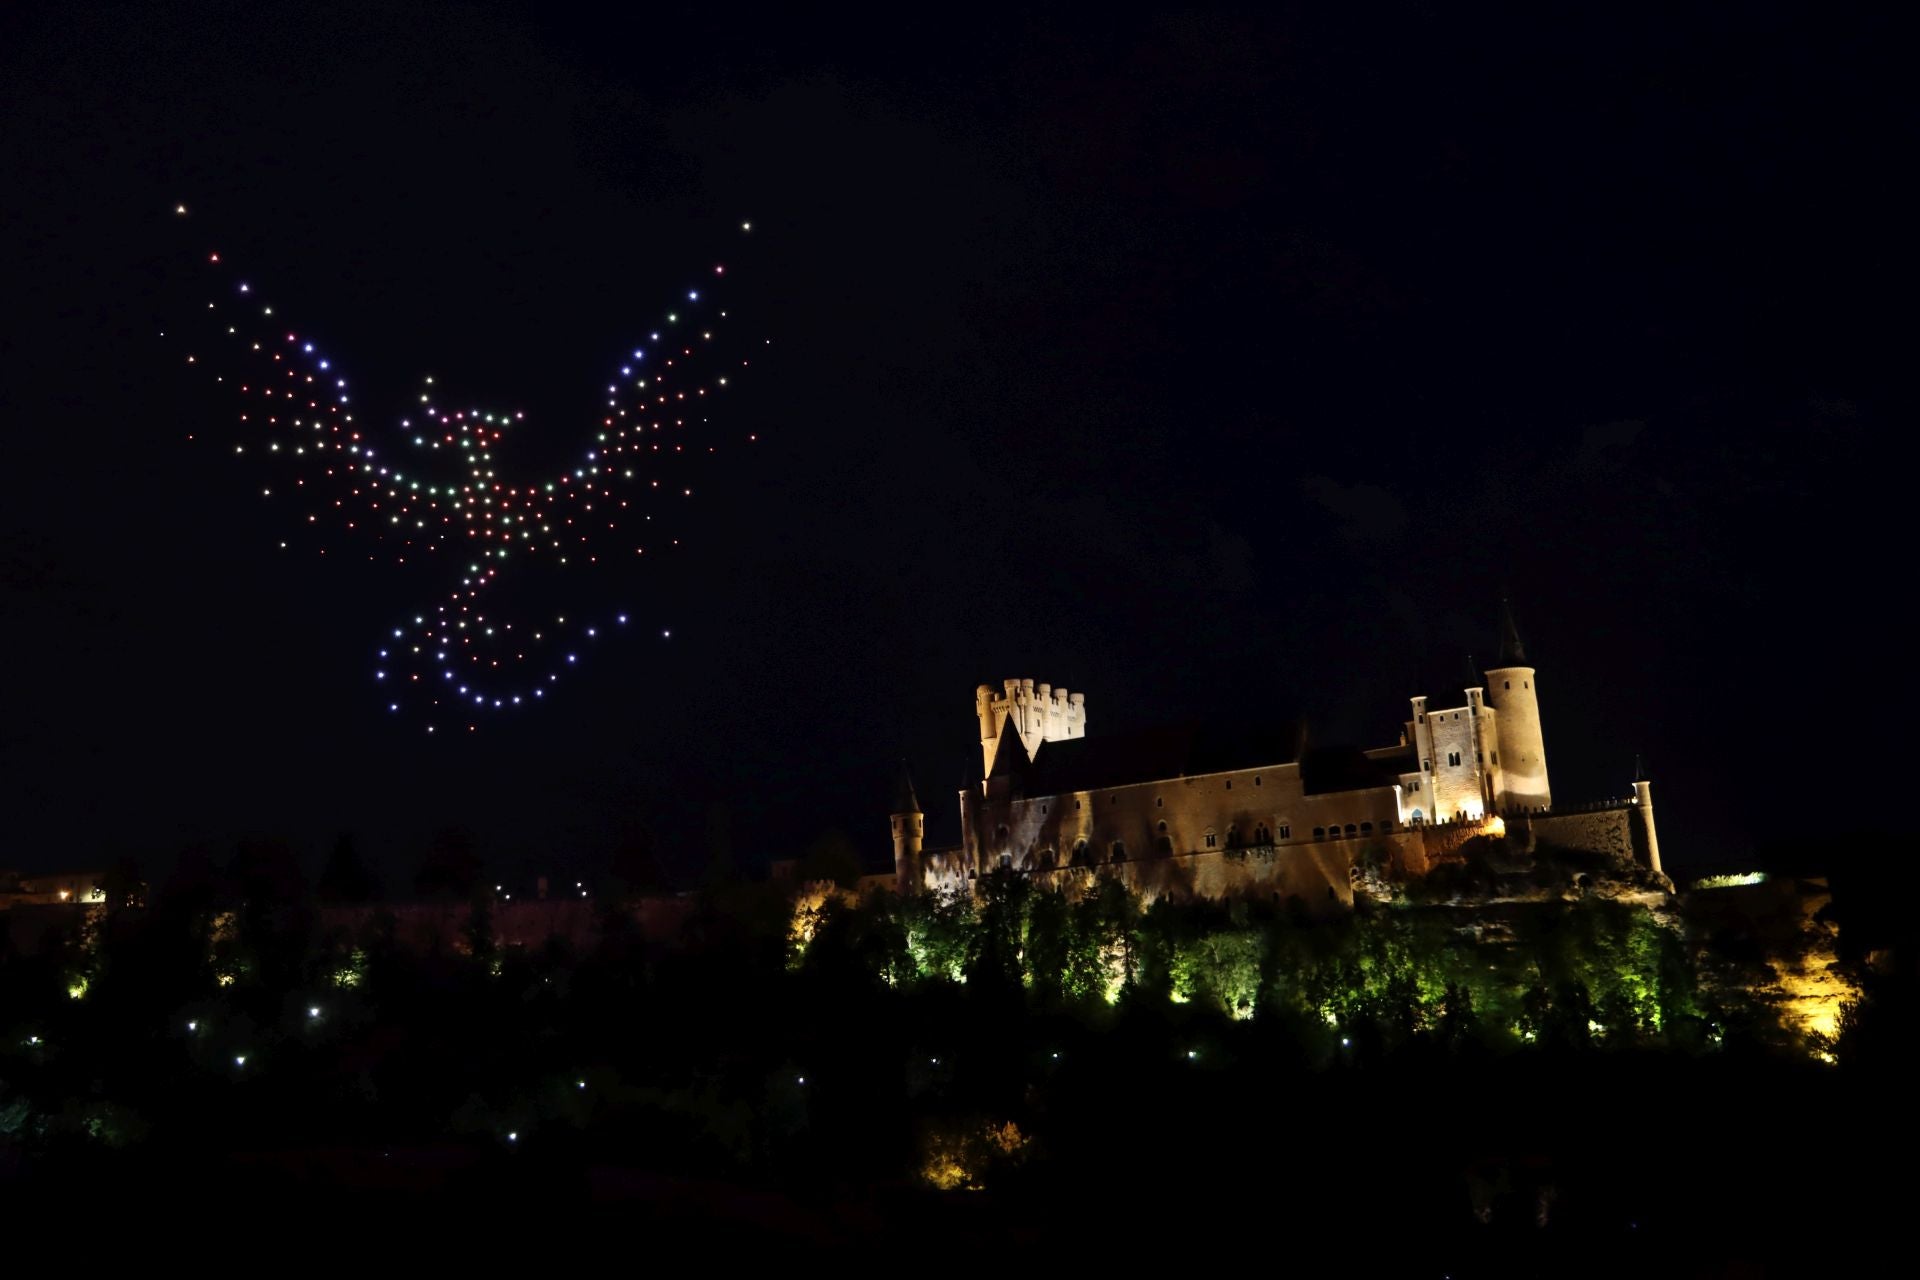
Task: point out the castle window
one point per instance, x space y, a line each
1319 833
1158 802
1256 779
1229 784
1453 757
1079 853
1043 810
1366 826
1163 845
1286 832
1119 851
1076 806
1212 841
1233 837
1525 685
1496 757
1480 756
1506 684
1427 765
1423 717
1349 828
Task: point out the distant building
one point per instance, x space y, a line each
1213 809
51 889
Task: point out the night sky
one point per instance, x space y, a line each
1218 365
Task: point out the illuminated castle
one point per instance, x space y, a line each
1210 811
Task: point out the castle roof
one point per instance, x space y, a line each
1009 753
1512 652
904 799
1326 769
1172 751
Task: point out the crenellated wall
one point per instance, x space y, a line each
1039 713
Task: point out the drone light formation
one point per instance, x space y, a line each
435 487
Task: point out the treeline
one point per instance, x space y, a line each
1020 1039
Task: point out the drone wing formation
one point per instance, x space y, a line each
520 604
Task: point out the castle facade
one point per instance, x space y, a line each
1217 810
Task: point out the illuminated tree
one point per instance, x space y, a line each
346 878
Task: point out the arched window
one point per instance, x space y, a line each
1233 836
1417 817
1163 827
1349 828
1049 857
1079 853
1261 835
1366 826
1319 833
1119 851
1212 840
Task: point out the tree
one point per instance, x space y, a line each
831 857
720 865
346 878
122 885
635 867
1458 1021
451 867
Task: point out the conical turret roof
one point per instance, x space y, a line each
1512 652
904 799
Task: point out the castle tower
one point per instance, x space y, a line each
1643 800
1038 713
909 834
1514 695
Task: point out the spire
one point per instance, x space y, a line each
904 800
1512 652
1010 753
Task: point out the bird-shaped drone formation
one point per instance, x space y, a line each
436 489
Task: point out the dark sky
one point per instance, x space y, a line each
1216 364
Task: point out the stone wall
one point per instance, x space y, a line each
1177 817
1603 831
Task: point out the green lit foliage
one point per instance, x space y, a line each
999 937
939 930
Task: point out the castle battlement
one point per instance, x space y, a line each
1038 712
